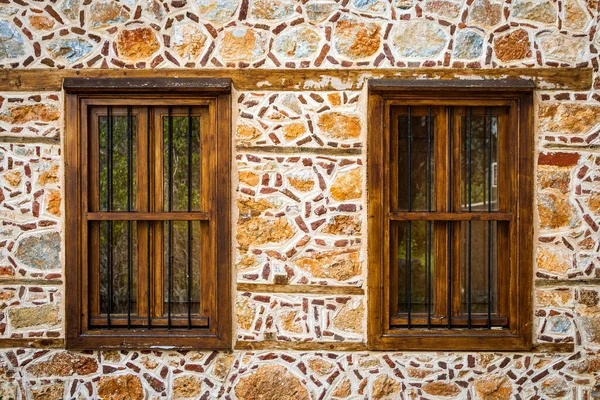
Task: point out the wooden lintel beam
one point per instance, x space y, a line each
577 79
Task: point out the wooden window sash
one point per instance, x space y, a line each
214 316
381 105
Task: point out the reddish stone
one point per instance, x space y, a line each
559 159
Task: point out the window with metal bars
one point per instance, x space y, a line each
148 192
450 204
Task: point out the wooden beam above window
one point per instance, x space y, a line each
576 79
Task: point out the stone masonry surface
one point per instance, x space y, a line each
299 206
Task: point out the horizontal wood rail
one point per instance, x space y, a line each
433 216
305 79
148 216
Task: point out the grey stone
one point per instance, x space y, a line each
535 10
419 39
468 45
297 43
41 251
217 10
70 8
559 324
12 43
70 49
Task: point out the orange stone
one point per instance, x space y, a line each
124 387
513 46
355 39
294 130
495 387
339 126
137 44
568 118
20 115
347 185
41 23
242 44
271 382
53 201
553 261
556 211
249 178
338 265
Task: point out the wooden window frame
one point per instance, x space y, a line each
518 96
215 94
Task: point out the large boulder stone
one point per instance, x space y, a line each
40 251
70 50
297 43
217 10
137 44
63 364
347 185
242 44
556 211
124 387
356 39
543 11
338 125
513 46
258 230
30 317
12 42
337 265
419 39
271 382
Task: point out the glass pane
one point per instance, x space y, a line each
177 178
415 152
481 255
116 163
178 255
479 159
114 247
421 239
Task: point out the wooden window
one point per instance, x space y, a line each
450 215
147 199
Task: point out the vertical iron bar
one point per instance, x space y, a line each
469 138
109 147
409 206
189 225
449 273
148 288
428 257
489 232
170 208
129 179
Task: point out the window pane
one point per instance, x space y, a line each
117 162
415 153
114 251
177 178
178 259
421 239
482 257
479 161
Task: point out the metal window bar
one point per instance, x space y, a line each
409 207
129 181
189 224
469 138
428 256
109 176
489 230
170 208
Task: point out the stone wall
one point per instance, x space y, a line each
300 204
